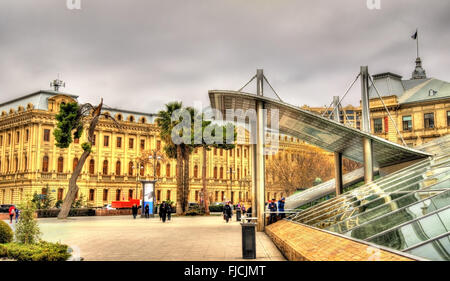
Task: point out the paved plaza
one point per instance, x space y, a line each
120 238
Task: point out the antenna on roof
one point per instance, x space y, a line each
57 83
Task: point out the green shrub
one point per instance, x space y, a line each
42 251
216 208
27 230
6 233
195 211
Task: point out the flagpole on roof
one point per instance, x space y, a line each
417 34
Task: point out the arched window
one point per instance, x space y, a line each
141 169
130 168
105 167
60 164
75 163
158 170
168 170
215 172
195 171
131 118
221 172
45 164
25 163
118 168
92 166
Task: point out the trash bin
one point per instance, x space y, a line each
238 214
248 241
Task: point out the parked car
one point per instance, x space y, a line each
5 208
108 207
193 205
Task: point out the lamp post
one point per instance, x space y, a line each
156 157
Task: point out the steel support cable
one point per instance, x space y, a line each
247 83
387 110
272 88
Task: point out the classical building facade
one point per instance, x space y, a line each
419 106
31 163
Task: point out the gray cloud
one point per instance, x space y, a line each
141 54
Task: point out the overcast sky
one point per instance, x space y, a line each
141 54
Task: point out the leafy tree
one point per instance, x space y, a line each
72 118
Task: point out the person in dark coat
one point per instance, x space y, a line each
227 212
281 208
162 211
134 210
169 211
147 211
273 211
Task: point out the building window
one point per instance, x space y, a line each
76 140
428 120
130 168
119 142
118 191
448 118
17 137
92 166
105 167
221 172
215 172
168 195
130 194
45 164
168 170
245 153
130 143
216 196
75 163
142 144
91 194
106 141
141 169
46 135
93 139
196 196
118 168
231 153
60 164
221 152
378 125
16 162
407 123
25 163
195 171
60 193
238 173
1 140
105 195
158 170
158 195
158 145
223 196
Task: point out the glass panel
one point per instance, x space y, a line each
438 250
445 217
400 216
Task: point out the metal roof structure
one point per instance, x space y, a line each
314 129
408 210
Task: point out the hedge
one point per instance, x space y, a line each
53 213
43 251
6 233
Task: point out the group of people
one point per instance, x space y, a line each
164 209
274 209
228 210
13 212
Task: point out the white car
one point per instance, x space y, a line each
108 207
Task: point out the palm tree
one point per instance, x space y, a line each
166 125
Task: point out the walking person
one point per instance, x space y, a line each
169 211
17 211
134 211
11 213
162 211
273 211
227 212
281 208
147 211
